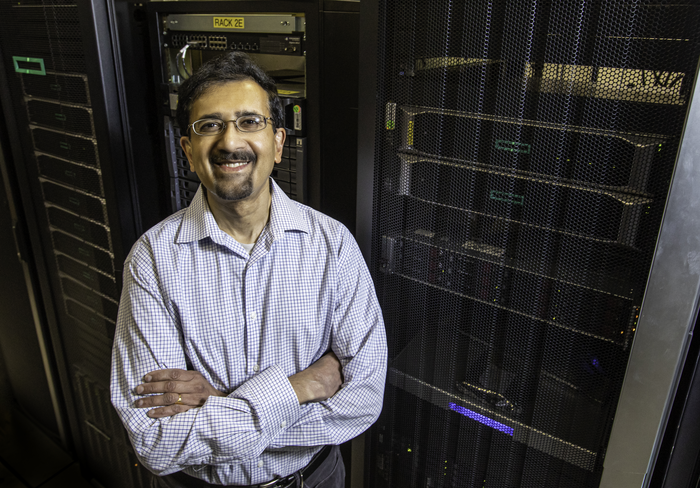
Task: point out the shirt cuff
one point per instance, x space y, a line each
272 398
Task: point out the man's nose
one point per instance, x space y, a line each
231 137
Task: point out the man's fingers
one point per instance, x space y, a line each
169 375
159 400
171 399
171 386
168 411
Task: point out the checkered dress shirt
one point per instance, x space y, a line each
194 299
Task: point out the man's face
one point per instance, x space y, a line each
233 165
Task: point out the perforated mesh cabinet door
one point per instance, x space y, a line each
523 154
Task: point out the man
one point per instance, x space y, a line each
249 334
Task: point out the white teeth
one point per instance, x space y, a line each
234 165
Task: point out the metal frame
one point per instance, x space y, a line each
665 326
369 31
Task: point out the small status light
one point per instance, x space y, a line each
409 450
633 330
622 332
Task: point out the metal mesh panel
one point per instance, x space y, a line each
95 234
63 87
68 118
83 251
50 32
62 145
84 205
71 174
109 452
89 277
88 317
86 296
523 156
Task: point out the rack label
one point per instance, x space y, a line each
502 196
229 22
513 146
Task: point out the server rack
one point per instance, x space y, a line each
184 35
310 49
517 166
64 103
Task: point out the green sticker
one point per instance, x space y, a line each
502 196
29 66
513 146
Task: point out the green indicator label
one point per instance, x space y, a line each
29 66
296 109
390 125
512 146
60 117
502 196
64 145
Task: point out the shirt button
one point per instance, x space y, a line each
253 315
284 424
256 368
260 464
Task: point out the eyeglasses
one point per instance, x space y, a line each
244 123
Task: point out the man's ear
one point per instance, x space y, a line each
186 146
280 137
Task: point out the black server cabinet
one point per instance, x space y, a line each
522 155
63 96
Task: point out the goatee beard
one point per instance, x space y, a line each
226 189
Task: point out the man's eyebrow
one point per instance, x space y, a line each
210 116
240 113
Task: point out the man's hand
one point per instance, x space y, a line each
320 381
181 390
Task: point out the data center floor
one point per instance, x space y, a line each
30 459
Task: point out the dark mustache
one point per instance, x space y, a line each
241 155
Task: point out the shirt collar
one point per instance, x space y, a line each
198 222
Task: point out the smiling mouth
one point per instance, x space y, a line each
233 164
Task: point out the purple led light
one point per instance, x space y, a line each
482 419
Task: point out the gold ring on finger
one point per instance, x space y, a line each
179 399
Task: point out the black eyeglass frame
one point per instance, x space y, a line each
235 123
